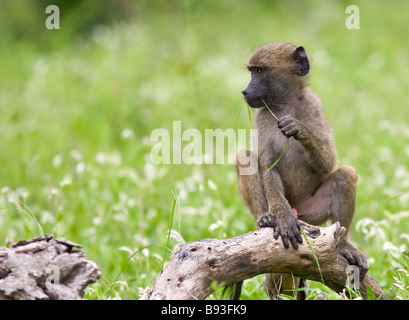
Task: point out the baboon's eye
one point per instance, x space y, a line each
259 70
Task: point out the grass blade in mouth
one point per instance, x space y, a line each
286 143
279 158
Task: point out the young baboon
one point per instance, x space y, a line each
304 183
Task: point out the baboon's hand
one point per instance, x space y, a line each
354 257
289 126
267 220
286 225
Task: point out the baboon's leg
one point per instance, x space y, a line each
249 186
334 199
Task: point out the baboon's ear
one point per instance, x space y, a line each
301 60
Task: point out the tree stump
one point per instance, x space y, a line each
43 268
195 265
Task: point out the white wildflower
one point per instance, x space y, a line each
80 167
57 160
65 182
211 185
216 225
76 155
127 134
100 157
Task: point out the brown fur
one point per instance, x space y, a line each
279 56
305 178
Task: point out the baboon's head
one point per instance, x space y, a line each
278 72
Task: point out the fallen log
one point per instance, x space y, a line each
46 269
195 265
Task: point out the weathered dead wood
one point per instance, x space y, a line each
195 265
43 268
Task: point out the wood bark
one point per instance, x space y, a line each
43 268
195 265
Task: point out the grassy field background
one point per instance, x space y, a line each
78 105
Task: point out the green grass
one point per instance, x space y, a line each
77 106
